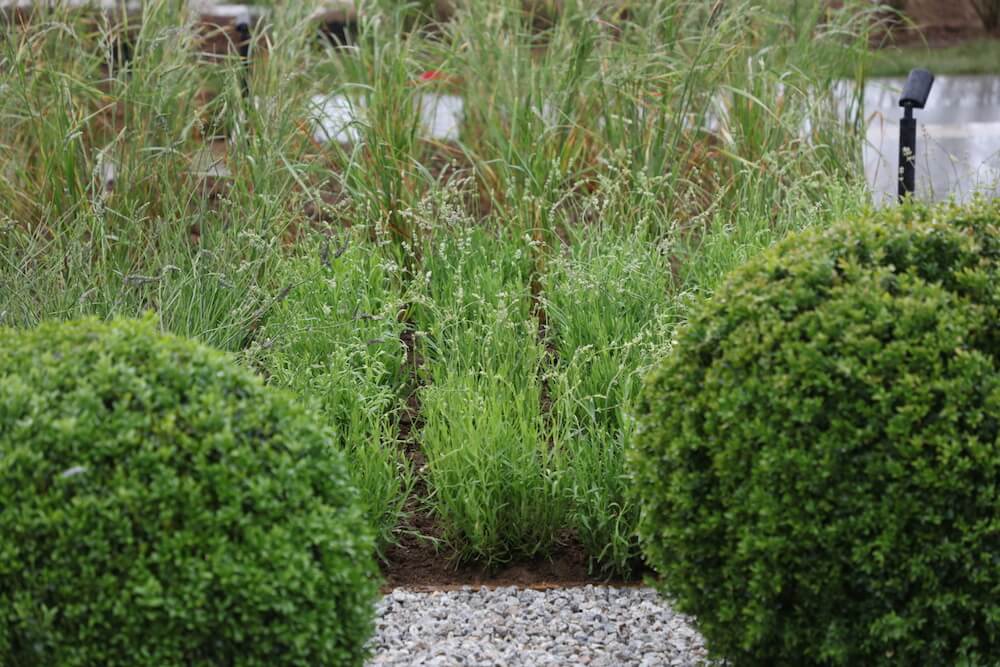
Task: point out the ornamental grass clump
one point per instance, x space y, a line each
819 455
160 506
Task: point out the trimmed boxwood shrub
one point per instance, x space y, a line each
819 458
160 506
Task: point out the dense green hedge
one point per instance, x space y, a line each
819 455
160 506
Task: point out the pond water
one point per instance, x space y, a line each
958 136
338 117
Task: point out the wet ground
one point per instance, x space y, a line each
958 138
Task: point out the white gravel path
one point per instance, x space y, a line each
593 625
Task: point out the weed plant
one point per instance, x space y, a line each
610 302
103 208
335 341
489 464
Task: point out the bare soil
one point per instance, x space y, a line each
416 564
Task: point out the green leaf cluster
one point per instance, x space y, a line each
160 506
819 454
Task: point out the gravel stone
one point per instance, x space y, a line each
591 625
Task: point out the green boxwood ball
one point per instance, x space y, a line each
160 506
819 454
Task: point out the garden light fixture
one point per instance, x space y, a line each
915 93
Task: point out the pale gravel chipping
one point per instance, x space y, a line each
597 626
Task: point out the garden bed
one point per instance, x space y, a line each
437 341
472 313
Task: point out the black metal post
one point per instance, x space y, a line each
915 93
907 154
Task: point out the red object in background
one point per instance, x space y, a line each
431 75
